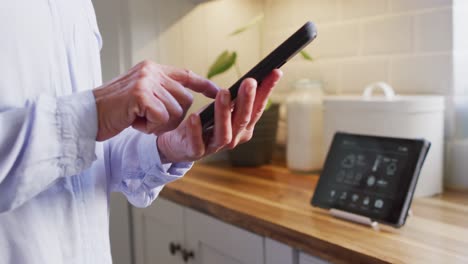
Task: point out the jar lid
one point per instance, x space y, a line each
409 103
389 102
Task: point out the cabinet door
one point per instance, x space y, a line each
278 253
308 259
216 242
155 228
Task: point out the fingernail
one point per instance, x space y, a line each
225 97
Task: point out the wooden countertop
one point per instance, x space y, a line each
273 202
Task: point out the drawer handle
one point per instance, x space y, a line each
187 254
173 248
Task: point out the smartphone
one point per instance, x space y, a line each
277 58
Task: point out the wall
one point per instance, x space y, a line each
406 43
410 44
418 46
190 34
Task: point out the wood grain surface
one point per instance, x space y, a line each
273 202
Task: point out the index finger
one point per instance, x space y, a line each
192 80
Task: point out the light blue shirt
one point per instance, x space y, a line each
55 179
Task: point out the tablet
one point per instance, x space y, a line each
371 176
277 58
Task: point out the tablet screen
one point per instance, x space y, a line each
371 176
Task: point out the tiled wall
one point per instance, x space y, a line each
191 34
408 43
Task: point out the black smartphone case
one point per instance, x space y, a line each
277 58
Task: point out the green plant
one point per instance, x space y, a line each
228 59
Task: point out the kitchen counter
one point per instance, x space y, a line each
273 202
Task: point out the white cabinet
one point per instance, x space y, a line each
194 238
169 233
157 228
308 259
279 253
216 242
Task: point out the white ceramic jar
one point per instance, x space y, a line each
409 116
304 122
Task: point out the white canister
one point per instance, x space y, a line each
304 122
417 116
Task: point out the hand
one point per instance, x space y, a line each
186 142
150 97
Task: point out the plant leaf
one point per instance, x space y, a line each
222 63
247 26
268 104
306 55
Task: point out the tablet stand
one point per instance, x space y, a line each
363 220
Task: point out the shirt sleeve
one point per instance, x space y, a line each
46 139
134 167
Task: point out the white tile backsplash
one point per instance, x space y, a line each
433 30
328 71
336 40
356 73
412 44
405 42
193 41
363 8
414 5
319 11
418 46
359 41
422 74
278 11
191 35
388 34
171 34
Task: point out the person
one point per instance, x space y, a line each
65 146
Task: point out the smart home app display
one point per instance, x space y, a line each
369 176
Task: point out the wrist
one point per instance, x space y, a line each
107 128
162 150
97 98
